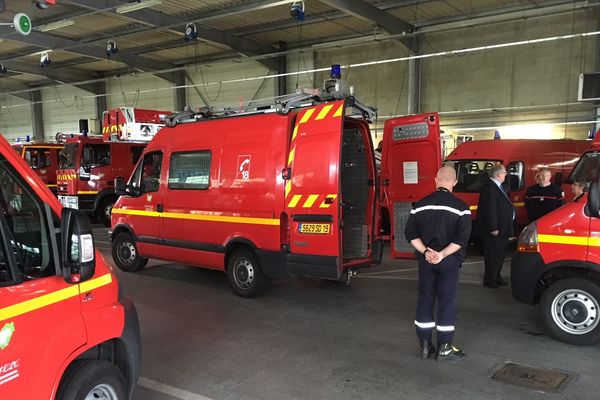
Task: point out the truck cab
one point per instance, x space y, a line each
66 331
88 166
43 159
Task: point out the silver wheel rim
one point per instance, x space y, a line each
575 311
102 392
126 252
108 210
243 273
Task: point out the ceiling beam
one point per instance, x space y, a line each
367 12
58 75
157 19
19 89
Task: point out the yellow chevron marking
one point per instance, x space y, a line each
295 199
340 111
295 133
324 112
329 196
307 115
288 187
52 298
291 156
310 201
88 192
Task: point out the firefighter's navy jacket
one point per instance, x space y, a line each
440 219
539 200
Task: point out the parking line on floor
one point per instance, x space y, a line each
170 390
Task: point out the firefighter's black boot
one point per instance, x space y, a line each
448 352
427 349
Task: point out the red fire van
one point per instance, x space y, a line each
66 331
279 192
43 159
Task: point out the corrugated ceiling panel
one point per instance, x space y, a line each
10 46
101 65
181 7
28 7
201 50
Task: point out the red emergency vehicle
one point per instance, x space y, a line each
522 158
43 159
66 331
88 167
132 124
557 264
288 190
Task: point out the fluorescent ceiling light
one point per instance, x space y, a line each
55 25
136 6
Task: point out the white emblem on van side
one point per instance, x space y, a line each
9 371
243 167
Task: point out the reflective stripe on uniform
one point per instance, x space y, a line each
441 208
441 328
425 325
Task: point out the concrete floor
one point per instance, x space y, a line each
309 339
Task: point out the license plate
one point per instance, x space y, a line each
314 228
69 201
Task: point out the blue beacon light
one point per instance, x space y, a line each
336 71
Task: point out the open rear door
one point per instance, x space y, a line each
410 158
312 194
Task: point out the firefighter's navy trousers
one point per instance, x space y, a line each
437 282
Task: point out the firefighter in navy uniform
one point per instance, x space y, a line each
439 227
543 197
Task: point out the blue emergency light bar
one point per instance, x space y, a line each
336 71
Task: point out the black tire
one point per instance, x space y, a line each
94 379
104 209
125 253
569 311
245 275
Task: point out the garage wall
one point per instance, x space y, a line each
528 78
64 107
15 122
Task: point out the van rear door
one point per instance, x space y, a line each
410 158
312 194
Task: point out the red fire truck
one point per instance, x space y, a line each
286 190
66 331
88 167
132 124
522 158
43 159
557 264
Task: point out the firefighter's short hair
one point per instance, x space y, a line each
496 170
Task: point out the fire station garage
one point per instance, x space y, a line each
318 199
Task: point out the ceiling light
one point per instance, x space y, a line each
55 25
136 6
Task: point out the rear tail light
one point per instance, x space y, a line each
284 232
528 240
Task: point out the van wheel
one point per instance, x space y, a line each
125 253
244 273
569 311
93 380
105 209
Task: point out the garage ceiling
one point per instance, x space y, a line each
151 39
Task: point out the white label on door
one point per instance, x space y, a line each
411 172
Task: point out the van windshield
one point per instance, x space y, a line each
68 156
471 174
587 167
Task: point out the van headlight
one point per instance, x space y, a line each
528 240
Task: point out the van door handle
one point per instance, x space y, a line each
159 208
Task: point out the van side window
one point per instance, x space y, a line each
515 176
38 158
150 172
189 170
24 229
96 155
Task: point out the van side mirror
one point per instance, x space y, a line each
120 186
84 173
77 245
593 202
558 178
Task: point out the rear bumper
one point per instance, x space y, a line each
279 265
525 272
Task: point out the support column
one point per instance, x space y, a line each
100 88
281 84
414 79
179 94
37 116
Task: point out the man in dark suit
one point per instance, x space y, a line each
495 217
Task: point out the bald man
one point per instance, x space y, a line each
439 227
